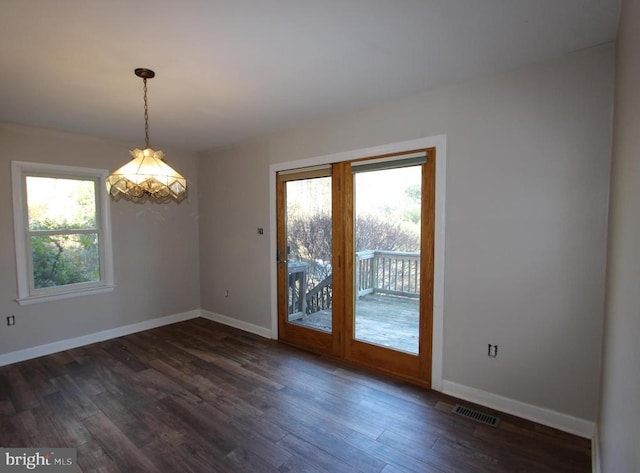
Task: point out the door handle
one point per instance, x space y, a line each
279 260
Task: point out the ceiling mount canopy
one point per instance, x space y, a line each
144 73
147 175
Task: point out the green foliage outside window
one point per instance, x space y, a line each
59 260
62 215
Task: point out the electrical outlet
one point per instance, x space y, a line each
493 351
11 320
260 231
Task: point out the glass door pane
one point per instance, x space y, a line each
308 246
387 216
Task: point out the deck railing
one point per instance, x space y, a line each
388 272
319 298
297 284
377 271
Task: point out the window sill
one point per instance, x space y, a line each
64 295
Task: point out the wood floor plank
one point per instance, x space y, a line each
125 454
37 376
119 351
201 397
85 376
255 442
6 404
243 459
419 425
124 418
398 469
168 456
56 364
247 419
539 451
315 455
93 458
350 415
21 394
293 416
461 456
81 403
35 431
70 428
410 443
190 418
297 464
195 383
390 455
397 389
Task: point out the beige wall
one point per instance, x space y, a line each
155 247
620 411
526 206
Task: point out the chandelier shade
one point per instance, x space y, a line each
147 174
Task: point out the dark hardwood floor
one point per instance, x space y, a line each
201 397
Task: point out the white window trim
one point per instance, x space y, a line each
19 171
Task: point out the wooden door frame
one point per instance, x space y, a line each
438 142
410 367
325 343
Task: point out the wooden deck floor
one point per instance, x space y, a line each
200 397
380 319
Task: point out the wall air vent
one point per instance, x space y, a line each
478 416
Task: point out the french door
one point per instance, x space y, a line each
306 280
355 243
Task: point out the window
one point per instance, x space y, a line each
62 231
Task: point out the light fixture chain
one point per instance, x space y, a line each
147 174
146 115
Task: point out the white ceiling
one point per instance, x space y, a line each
230 70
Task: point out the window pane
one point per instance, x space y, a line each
309 253
387 263
59 260
55 204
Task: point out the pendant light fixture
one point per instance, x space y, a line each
146 175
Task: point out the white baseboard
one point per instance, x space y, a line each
541 415
49 348
235 323
62 345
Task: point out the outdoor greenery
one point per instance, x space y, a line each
64 259
63 246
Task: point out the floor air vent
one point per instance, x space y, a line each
478 416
